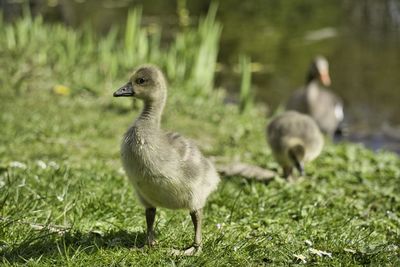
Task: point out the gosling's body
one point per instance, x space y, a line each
313 99
166 169
295 139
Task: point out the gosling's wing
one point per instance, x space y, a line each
193 164
186 149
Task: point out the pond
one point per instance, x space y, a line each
361 39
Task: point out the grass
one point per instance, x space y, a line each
245 97
65 201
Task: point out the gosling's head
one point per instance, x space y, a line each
296 155
319 70
146 83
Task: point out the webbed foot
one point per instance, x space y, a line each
191 251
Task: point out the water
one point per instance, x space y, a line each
360 38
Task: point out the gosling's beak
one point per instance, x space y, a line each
300 167
126 90
325 78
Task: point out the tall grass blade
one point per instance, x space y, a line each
246 97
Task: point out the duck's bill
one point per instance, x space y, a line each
325 78
126 90
300 167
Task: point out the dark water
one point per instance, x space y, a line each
360 38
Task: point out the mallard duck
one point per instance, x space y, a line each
295 139
166 169
318 102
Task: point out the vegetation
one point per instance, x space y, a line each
245 97
64 199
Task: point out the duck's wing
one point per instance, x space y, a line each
186 148
297 101
331 105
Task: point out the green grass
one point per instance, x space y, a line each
246 96
65 201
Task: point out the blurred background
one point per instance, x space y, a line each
360 38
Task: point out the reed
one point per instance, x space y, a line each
190 59
246 96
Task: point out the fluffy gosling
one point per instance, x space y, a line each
318 102
295 139
166 169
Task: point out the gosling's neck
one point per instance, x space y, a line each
151 114
291 142
296 152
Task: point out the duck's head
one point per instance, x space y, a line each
319 70
146 83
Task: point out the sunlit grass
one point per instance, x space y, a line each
65 201
61 52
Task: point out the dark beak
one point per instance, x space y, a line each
300 167
126 90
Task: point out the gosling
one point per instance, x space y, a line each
166 169
318 102
295 139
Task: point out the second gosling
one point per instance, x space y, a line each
295 139
166 169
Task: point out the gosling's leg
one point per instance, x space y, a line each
196 216
150 217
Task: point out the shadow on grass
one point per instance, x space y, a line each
47 245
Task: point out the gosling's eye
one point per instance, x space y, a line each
140 81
